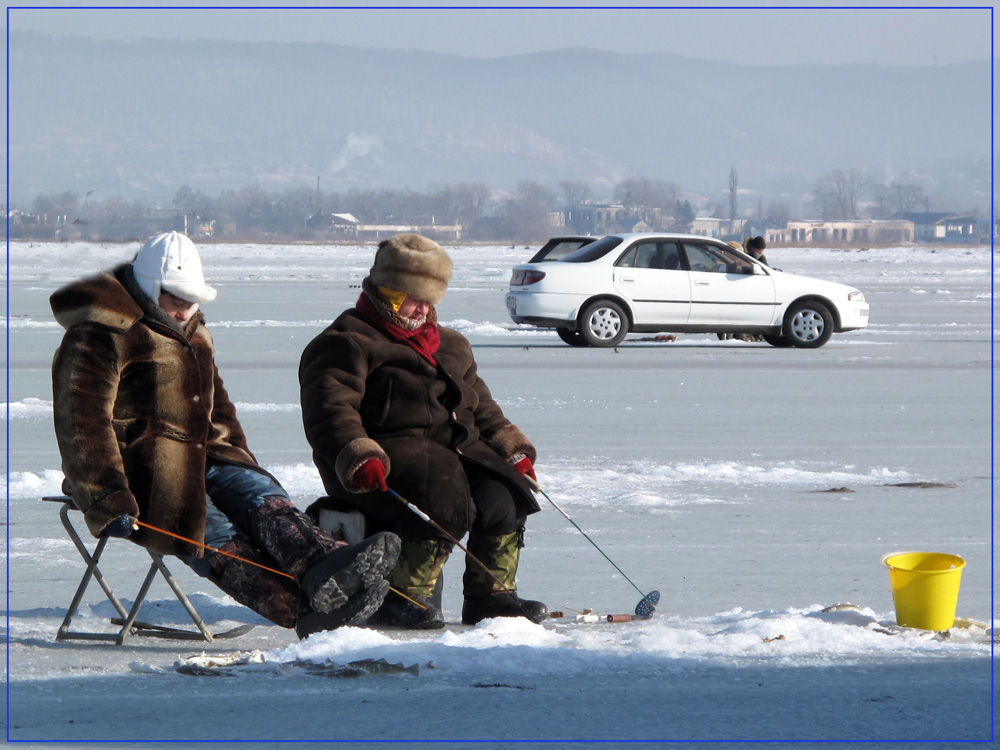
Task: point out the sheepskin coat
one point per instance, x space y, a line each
139 406
367 396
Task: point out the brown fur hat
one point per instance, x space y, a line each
412 264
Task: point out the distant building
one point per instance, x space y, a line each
945 227
338 223
710 227
927 225
860 231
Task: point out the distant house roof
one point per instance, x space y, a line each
923 217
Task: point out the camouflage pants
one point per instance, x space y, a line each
249 515
500 555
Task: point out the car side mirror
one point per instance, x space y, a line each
757 270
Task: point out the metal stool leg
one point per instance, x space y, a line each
127 619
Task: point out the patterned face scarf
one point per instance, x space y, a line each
424 337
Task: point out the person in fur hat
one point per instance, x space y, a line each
390 397
147 432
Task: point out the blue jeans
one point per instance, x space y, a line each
233 493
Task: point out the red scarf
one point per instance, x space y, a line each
424 340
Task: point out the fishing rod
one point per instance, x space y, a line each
451 538
647 605
137 523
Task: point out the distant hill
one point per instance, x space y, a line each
140 118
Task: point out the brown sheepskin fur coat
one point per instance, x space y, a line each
139 405
367 396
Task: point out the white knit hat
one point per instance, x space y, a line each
170 262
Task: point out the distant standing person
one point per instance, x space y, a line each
390 397
147 433
754 247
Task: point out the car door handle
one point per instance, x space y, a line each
626 278
701 283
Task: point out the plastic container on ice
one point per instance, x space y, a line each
924 588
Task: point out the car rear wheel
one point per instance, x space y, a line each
808 325
778 341
603 323
573 338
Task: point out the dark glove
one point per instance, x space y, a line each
120 527
370 476
523 464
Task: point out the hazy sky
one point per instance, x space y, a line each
777 35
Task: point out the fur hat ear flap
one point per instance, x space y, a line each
412 264
170 262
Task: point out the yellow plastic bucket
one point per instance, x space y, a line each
924 588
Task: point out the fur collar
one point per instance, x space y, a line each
111 299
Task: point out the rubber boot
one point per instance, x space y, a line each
356 612
416 575
348 570
329 571
272 596
486 597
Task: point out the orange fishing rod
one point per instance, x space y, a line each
237 557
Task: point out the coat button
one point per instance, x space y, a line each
196 398
199 446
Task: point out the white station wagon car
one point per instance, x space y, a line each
652 283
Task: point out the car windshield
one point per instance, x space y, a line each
593 251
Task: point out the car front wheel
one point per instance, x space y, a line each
808 325
603 323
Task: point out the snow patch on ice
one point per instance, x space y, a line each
28 484
513 647
29 408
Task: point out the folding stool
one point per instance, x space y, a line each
127 619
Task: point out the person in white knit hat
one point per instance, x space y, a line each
147 433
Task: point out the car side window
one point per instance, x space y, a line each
646 255
654 255
671 257
711 259
628 258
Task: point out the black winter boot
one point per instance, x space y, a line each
417 575
398 612
356 612
502 605
496 595
347 570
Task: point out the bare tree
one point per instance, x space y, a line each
470 200
838 194
527 212
576 192
905 198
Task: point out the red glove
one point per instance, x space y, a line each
523 464
370 476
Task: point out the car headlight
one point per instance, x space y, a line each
855 297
